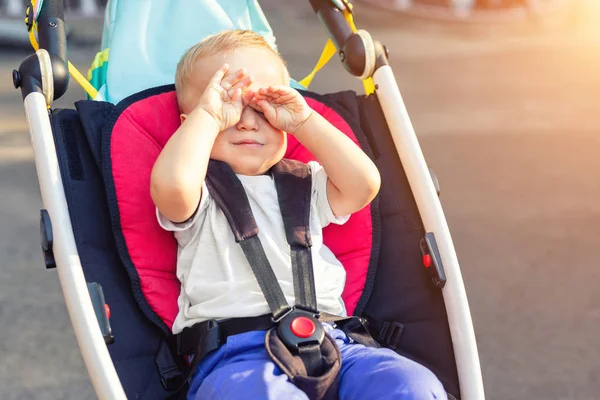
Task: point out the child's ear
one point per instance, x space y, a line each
182 117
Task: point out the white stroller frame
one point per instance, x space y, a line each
43 77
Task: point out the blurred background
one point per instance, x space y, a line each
504 96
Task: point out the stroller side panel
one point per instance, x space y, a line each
415 323
137 340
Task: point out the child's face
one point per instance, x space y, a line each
252 146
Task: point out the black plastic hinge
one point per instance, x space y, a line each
432 260
46 239
102 311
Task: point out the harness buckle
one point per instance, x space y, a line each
298 328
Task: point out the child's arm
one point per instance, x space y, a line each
180 169
177 175
353 179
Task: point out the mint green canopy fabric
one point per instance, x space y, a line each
143 40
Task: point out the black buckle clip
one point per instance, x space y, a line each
299 327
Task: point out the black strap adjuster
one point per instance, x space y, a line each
200 339
172 375
207 336
390 334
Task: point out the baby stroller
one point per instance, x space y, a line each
117 267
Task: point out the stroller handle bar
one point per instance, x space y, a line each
51 29
44 77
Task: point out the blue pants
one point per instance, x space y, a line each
242 369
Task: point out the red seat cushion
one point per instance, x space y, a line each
138 135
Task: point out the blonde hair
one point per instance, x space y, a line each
225 41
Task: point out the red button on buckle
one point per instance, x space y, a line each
302 327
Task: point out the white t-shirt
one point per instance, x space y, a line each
216 279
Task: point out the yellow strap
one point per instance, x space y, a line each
350 17
85 84
329 50
89 89
368 83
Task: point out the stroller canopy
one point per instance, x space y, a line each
136 52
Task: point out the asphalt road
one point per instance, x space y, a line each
507 116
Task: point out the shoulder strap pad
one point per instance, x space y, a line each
229 194
293 181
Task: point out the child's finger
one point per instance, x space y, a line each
249 97
264 94
280 90
256 105
243 83
219 74
235 94
232 79
281 94
264 106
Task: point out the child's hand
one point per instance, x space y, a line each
222 99
282 106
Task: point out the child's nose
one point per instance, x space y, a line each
248 120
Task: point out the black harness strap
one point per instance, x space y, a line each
230 196
293 182
294 191
294 186
311 358
228 192
265 276
304 279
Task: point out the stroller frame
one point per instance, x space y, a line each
43 77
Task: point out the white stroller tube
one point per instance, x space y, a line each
79 305
419 178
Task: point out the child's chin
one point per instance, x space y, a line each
251 168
